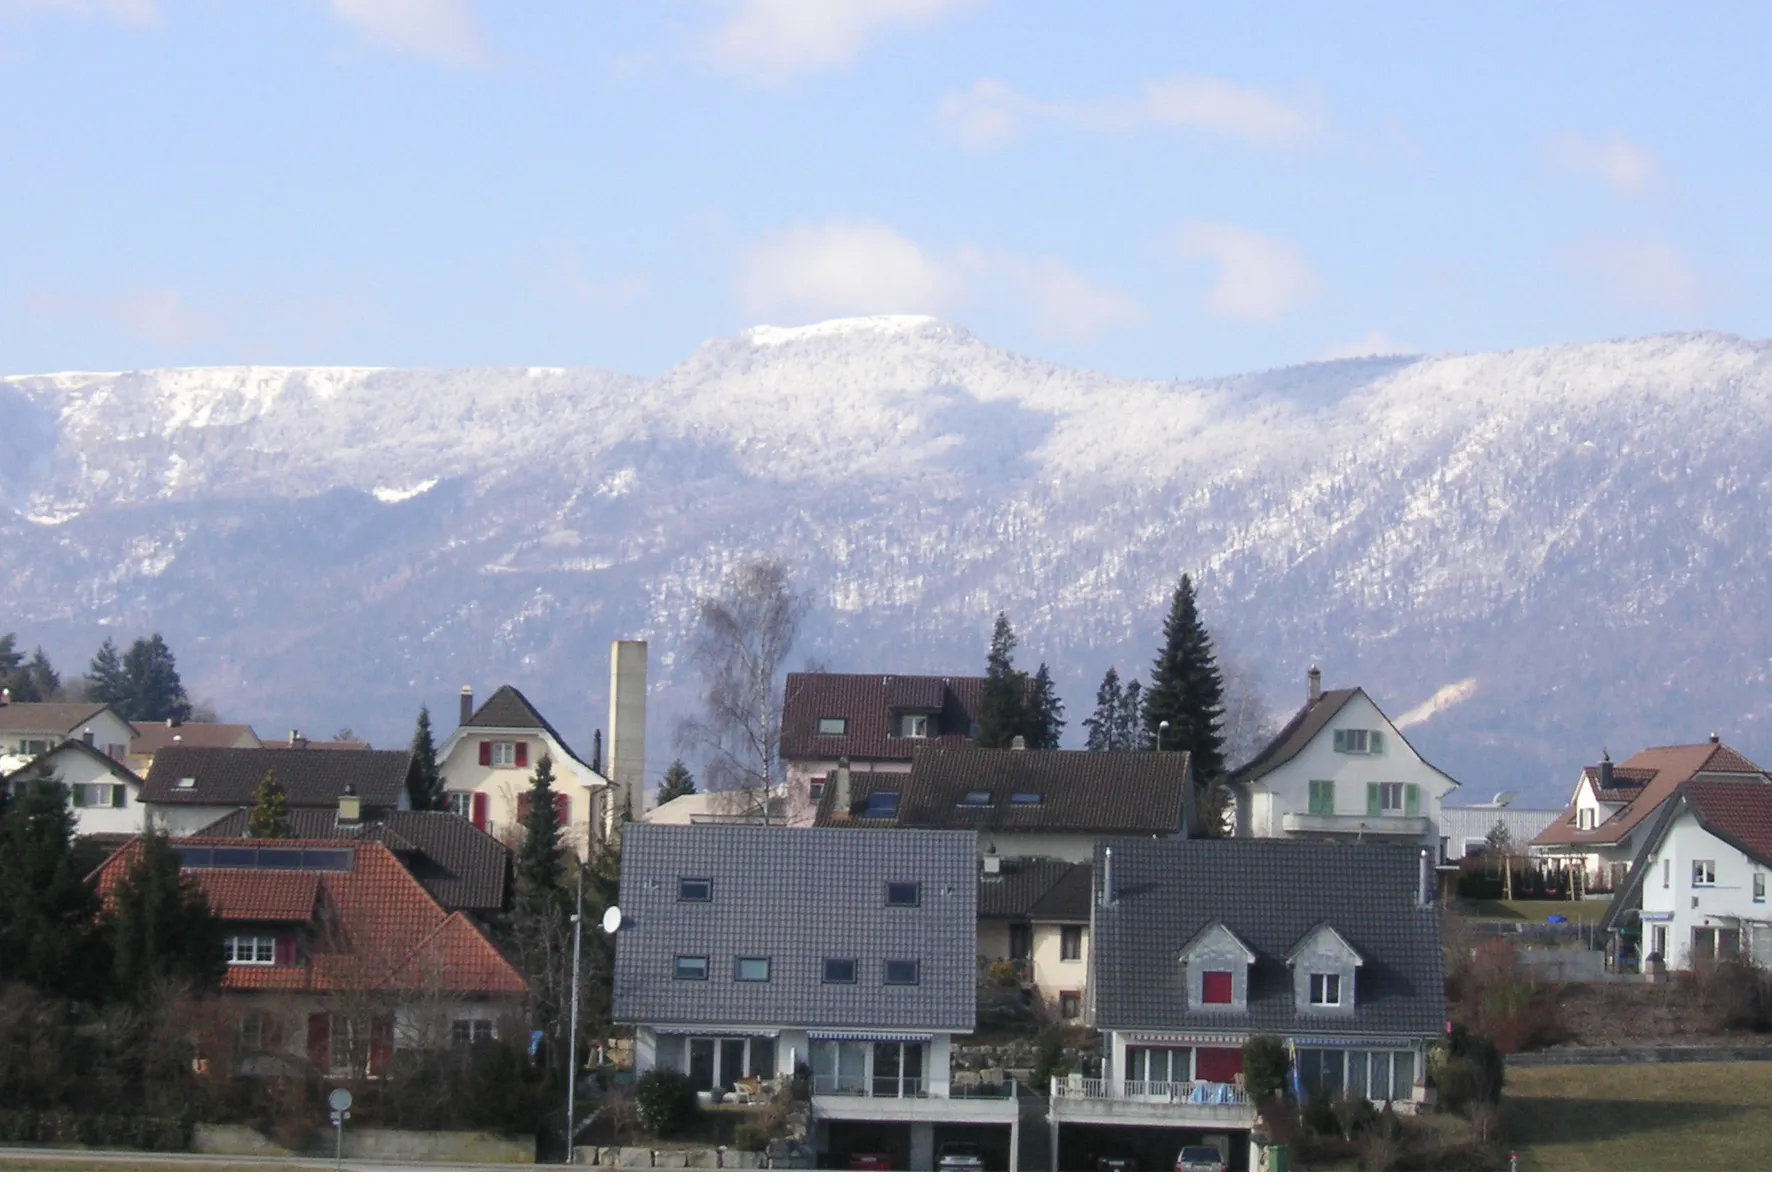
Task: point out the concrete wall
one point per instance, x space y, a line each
383 1144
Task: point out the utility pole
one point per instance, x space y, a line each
578 930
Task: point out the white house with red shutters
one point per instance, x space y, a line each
488 767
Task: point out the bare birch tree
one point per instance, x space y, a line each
1247 722
741 644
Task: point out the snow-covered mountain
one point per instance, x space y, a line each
1544 550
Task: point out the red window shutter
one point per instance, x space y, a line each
562 809
1215 988
486 754
381 1043
522 754
480 810
523 808
285 951
320 1040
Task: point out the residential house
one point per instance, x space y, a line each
1465 828
462 867
1023 803
105 794
338 955
488 768
747 953
32 728
1698 890
1033 913
1197 945
190 788
153 737
1613 807
876 722
1340 770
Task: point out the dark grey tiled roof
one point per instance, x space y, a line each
311 778
862 786
868 703
797 896
1270 893
457 864
1036 889
1079 791
1294 736
508 709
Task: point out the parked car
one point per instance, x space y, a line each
960 1157
1116 1163
1199 1158
871 1162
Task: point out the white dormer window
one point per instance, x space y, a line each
914 726
1323 966
1217 969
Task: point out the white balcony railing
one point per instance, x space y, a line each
1197 1094
855 1087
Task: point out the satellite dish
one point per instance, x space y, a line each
339 1100
612 919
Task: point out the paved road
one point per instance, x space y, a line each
75 1158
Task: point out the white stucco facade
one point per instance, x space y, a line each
487 793
105 797
1696 886
1048 970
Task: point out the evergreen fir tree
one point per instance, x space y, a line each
269 819
47 908
154 690
10 656
541 863
677 782
160 927
1002 707
104 677
1187 692
1045 712
1103 726
40 675
1129 731
423 782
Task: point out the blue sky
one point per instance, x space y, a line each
1159 189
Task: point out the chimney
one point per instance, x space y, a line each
843 800
627 728
993 865
86 737
1714 740
467 703
5 696
1018 743
1605 769
597 751
350 808
172 723
1109 893
1313 681
296 741
1424 887
176 738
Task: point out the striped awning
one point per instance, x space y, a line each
1352 1043
865 1035
686 1031
1185 1039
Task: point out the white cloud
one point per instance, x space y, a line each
1646 273
1629 168
1259 278
1373 344
447 30
1066 304
128 12
843 269
1444 698
993 112
158 316
773 38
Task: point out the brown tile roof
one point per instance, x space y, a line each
1036 889
868 703
1740 813
44 717
153 737
311 778
1660 770
508 709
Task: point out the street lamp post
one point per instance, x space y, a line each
1161 728
578 931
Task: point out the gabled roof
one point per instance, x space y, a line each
311 778
1272 893
1077 791
1644 782
1316 935
796 896
868 703
153 737
1036 889
460 866
43 763
508 709
1215 932
1739 814
1305 725
45 717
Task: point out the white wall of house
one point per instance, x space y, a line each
1077 848
104 801
1286 790
181 820
109 734
502 785
1054 975
1728 902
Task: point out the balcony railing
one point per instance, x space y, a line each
854 1087
1349 823
1197 1094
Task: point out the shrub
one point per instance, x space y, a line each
664 1101
751 1137
1467 1069
1265 1066
1049 1058
1319 1112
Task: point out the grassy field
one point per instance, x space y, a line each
1588 910
1700 1116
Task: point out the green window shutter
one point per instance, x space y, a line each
1322 797
1341 742
1411 799
1374 742
1373 805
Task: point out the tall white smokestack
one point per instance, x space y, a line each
627 729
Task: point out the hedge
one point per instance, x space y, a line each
95 1130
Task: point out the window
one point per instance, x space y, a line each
751 969
881 805
1070 943
1216 988
691 967
1584 819
695 889
251 949
188 783
836 727
33 746
1325 988
1322 797
97 795
117 751
976 799
914 726
466 1031
462 804
901 971
252 1030
839 971
504 754
1161 1065
1759 887
815 788
1070 1005
898 1070
904 894
1026 799
1667 870
1390 797
1359 742
1704 873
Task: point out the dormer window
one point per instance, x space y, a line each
1323 966
1325 988
833 727
1217 964
913 726
976 799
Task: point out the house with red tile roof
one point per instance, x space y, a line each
1614 806
337 954
1698 892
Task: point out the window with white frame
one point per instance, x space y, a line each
462 804
1070 944
914 726
1390 797
504 754
1759 887
251 949
1159 1066
1325 988
1584 819
1070 1005
465 1031
1704 873
95 795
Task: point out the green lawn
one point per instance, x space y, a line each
1589 910
1700 1116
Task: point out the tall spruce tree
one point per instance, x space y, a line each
1045 712
155 691
1129 731
269 818
104 677
10 656
677 782
40 676
47 907
1102 728
1002 706
160 927
541 862
424 784
1187 692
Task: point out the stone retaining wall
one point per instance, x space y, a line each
381 1144
1639 1055
632 1157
